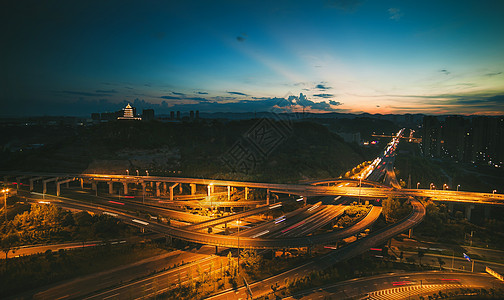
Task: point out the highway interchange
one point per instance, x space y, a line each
291 230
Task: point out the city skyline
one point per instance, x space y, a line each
324 56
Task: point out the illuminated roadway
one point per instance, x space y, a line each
222 240
303 189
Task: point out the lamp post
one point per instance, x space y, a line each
360 185
445 186
431 185
238 235
137 173
147 172
417 185
493 192
5 191
458 185
127 172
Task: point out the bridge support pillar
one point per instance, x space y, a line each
180 188
81 183
410 233
229 193
468 210
216 250
33 180
93 186
193 188
246 193
171 191
304 200
125 184
143 188
158 191
164 188
18 181
110 187
58 185
44 183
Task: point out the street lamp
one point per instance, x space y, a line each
417 185
238 235
147 172
127 172
137 173
445 186
431 185
5 191
494 191
360 185
458 185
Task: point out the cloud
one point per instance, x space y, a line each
493 74
107 91
147 84
169 97
242 37
323 95
177 93
446 72
322 86
203 93
237 93
86 94
336 103
303 101
395 13
197 99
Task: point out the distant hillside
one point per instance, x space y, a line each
306 150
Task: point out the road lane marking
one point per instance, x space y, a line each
111 296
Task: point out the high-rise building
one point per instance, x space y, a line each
431 142
471 139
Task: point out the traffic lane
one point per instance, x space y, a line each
272 225
163 281
30 250
117 204
361 286
263 287
87 284
219 240
459 263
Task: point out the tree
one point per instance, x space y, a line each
9 242
251 259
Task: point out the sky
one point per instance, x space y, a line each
348 56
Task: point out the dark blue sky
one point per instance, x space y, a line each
78 57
